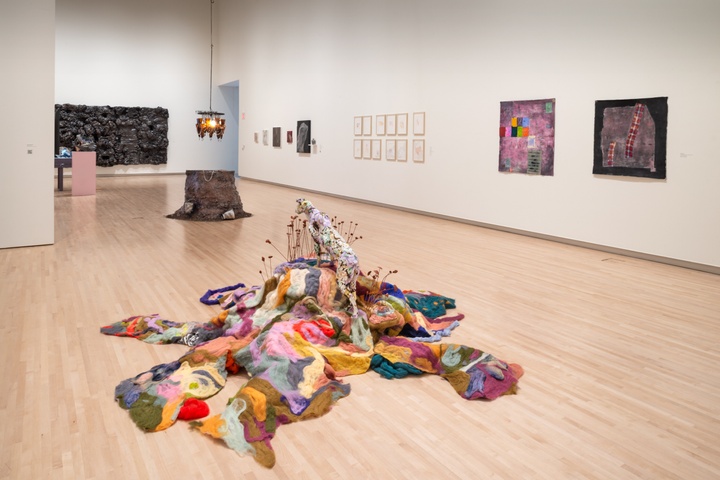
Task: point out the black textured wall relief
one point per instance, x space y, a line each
122 135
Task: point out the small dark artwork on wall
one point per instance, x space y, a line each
289 136
303 136
122 135
276 136
631 137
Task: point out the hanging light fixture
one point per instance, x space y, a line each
209 121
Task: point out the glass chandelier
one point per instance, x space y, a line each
210 122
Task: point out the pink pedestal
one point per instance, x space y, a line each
83 173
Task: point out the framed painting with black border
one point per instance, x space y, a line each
376 149
401 150
366 151
419 123
390 124
357 149
390 150
358 124
380 124
631 137
367 125
418 151
402 123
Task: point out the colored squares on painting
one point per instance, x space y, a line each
527 137
519 127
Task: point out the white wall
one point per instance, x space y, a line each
27 36
329 60
137 53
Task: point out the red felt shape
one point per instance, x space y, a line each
192 409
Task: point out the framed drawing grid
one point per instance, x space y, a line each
418 151
390 124
366 149
380 125
390 150
357 124
367 125
419 123
402 123
401 150
376 149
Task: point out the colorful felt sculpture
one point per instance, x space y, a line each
328 239
296 336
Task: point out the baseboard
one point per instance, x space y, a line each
593 246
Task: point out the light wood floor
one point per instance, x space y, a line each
621 355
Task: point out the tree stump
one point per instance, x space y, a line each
210 195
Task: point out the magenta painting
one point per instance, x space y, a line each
527 137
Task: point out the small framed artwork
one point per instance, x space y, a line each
358 126
390 124
357 149
276 136
402 123
390 150
367 125
418 151
289 136
419 123
380 124
377 149
401 150
256 136
265 137
366 152
304 134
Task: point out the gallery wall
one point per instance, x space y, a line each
26 179
145 54
330 61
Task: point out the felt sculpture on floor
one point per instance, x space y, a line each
527 137
296 336
631 137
